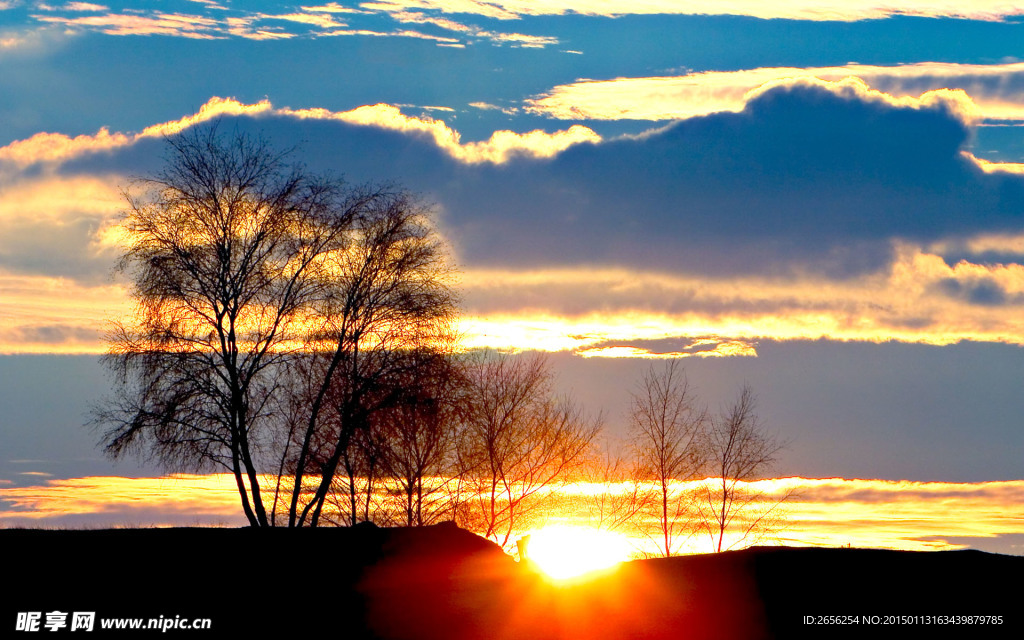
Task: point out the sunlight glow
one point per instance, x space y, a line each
564 552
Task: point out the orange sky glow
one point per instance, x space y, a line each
822 512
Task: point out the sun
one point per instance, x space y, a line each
564 552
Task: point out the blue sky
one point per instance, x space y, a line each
824 201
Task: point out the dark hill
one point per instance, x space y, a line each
445 583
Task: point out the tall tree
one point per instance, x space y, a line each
243 266
224 245
668 427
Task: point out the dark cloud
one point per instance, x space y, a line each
60 249
978 291
803 177
53 334
1007 543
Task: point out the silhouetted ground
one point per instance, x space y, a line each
445 583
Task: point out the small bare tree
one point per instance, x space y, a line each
739 451
622 495
518 443
668 435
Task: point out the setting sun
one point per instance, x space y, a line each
564 552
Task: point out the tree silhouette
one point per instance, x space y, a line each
243 267
420 436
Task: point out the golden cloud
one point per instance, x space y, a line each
502 145
56 315
920 299
517 39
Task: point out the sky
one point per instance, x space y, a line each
823 200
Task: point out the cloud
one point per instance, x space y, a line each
702 348
85 7
920 298
114 501
217 22
809 175
59 226
832 10
996 91
331 7
56 315
220 21
472 31
56 148
211 19
494 10
313 18
126 24
500 147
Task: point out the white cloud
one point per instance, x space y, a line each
517 39
841 10
997 91
84 7
125 24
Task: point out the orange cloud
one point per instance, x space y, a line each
594 311
607 313
56 315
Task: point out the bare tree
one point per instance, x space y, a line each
225 248
668 430
739 451
420 438
518 443
621 494
273 310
